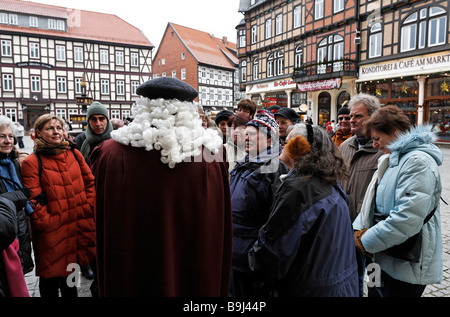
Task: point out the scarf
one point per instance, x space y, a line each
10 179
14 273
92 140
43 147
366 207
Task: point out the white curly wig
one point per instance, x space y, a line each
174 127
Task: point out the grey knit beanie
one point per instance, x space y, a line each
97 108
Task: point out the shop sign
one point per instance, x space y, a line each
327 84
406 67
278 85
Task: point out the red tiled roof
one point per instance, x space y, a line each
86 25
206 48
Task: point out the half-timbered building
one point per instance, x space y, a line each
405 58
300 53
50 56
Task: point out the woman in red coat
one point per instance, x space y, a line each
63 227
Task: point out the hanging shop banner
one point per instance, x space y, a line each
327 84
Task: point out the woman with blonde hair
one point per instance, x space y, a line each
62 186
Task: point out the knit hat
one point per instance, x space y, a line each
343 110
97 108
167 88
288 113
265 119
223 115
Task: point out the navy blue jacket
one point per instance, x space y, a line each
307 246
253 183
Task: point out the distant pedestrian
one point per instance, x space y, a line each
402 206
19 134
344 130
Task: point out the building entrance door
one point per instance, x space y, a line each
31 114
324 108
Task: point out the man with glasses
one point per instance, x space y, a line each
362 160
344 132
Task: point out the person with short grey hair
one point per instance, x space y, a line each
362 159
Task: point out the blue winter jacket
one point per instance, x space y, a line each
307 246
409 190
253 183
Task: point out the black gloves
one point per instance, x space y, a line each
18 197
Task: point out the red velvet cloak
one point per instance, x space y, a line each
161 231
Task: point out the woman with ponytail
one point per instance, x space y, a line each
62 220
307 248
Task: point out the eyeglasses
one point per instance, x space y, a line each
344 118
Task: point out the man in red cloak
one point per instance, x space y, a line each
163 209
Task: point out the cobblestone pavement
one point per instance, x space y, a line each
433 290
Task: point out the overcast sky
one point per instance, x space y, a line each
217 17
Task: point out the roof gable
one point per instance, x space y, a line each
206 48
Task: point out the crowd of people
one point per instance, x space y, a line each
255 203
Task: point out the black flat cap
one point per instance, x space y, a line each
167 88
223 115
288 113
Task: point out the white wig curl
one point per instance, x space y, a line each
174 127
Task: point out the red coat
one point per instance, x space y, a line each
161 231
63 231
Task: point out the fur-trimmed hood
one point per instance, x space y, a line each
172 126
419 138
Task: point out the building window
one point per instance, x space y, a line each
134 59
62 85
318 9
119 58
183 56
104 87
78 54
134 86
414 30
330 49
338 5
242 40
279 24
375 41
33 22
60 25
298 59
270 66
6 48
115 114
437 26
13 19
3 18
255 69
61 113
183 74
8 82
297 16
244 71
268 29
120 87
35 83
52 24
78 85
60 53
280 63
174 74
103 56
254 34
34 50
126 114
11 113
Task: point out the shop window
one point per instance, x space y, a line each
404 89
343 99
438 87
439 117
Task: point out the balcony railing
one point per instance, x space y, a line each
312 71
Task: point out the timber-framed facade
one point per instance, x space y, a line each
48 53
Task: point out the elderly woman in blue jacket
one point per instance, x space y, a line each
253 182
406 190
306 247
